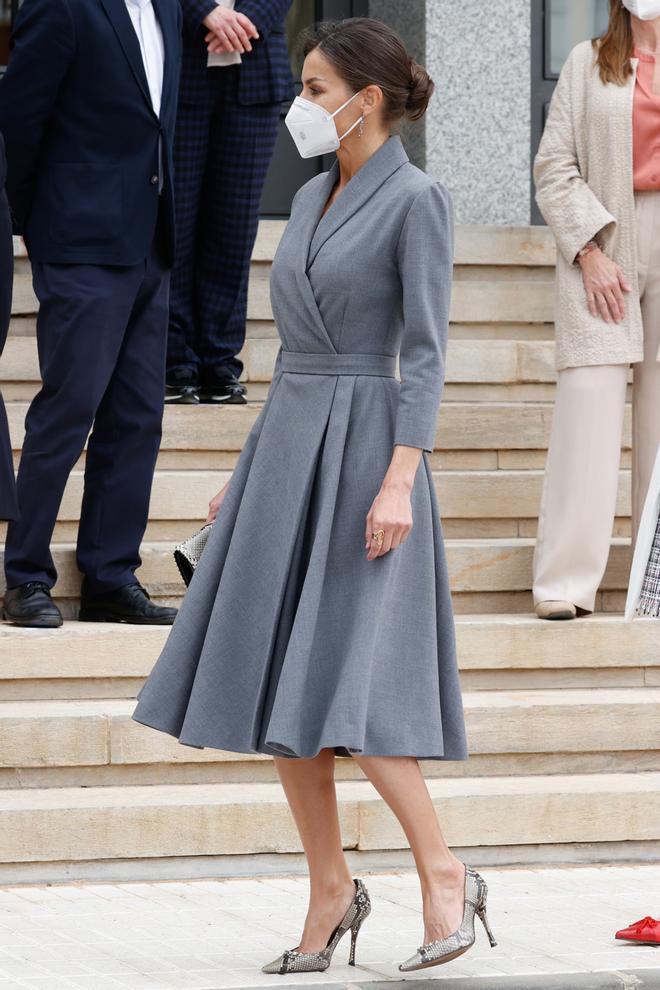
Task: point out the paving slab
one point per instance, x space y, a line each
554 925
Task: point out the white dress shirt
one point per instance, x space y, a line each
150 36
152 48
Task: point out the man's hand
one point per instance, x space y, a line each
229 31
604 284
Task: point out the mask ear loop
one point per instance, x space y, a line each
360 119
345 104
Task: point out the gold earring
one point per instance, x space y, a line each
360 126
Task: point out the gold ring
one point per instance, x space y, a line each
378 536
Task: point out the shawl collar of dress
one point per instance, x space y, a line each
367 180
314 229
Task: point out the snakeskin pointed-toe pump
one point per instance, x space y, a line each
294 961
443 949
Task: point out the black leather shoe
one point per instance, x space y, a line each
186 395
128 604
30 604
224 391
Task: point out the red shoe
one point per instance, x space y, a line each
645 930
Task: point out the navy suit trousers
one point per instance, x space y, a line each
221 156
102 340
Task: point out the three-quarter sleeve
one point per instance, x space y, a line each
425 253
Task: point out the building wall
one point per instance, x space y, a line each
478 123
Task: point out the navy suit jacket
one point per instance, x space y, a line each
81 134
264 73
8 506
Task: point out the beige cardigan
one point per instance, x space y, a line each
584 185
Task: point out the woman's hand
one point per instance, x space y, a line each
390 511
215 503
604 283
229 31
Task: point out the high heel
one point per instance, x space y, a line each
443 949
294 961
354 934
483 918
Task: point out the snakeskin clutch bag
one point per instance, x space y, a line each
188 553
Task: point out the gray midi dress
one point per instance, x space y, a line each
289 640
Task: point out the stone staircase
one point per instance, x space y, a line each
563 718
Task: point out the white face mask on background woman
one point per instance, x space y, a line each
646 10
313 129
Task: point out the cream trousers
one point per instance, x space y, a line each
581 476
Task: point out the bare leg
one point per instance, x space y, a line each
399 781
309 786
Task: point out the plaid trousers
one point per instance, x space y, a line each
222 152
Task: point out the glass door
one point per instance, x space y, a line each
288 171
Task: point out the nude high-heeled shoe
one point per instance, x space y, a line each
443 949
294 961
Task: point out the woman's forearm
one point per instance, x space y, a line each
403 467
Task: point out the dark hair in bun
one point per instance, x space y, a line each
367 52
421 88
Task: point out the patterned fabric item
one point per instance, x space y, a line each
208 295
444 949
264 75
292 961
649 601
188 553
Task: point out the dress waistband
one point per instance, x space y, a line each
307 363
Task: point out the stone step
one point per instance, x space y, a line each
473 392
77 824
101 733
24 301
461 426
493 244
184 495
476 244
480 296
83 660
525 459
482 252
472 301
474 565
172 531
472 362
515 602
485 642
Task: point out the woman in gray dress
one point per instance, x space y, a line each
319 621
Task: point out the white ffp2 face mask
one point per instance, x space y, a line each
313 128
646 10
